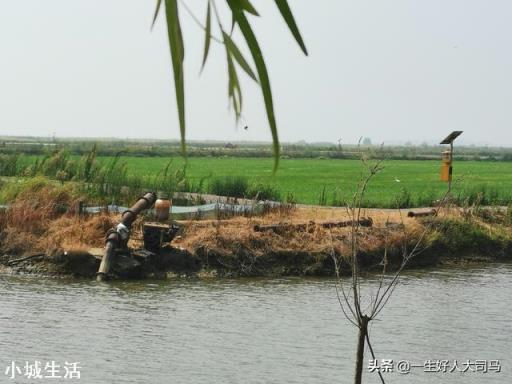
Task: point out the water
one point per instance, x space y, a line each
253 331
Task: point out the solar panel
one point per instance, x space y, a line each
452 136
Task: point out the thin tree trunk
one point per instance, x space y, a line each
363 330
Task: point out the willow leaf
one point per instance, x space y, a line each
208 35
257 56
177 56
233 22
157 9
246 5
230 44
234 90
286 12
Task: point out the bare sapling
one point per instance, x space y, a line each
358 308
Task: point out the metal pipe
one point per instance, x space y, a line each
118 237
110 251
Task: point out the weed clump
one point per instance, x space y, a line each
260 191
232 186
460 236
43 216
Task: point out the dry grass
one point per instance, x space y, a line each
45 219
237 235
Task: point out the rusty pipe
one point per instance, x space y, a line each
118 237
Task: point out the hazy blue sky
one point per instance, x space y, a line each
394 70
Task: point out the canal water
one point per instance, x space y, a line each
256 330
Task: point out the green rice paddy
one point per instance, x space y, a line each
307 179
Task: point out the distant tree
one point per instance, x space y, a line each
367 141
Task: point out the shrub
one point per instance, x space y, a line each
10 191
404 199
337 198
232 186
262 191
460 235
290 198
8 165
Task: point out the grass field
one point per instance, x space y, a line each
306 178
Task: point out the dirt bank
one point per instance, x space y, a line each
37 235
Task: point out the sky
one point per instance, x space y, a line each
395 71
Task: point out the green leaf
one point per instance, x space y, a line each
157 9
233 22
177 56
257 56
230 44
288 17
234 90
247 6
208 35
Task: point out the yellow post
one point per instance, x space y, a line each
446 166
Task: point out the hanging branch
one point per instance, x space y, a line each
239 9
